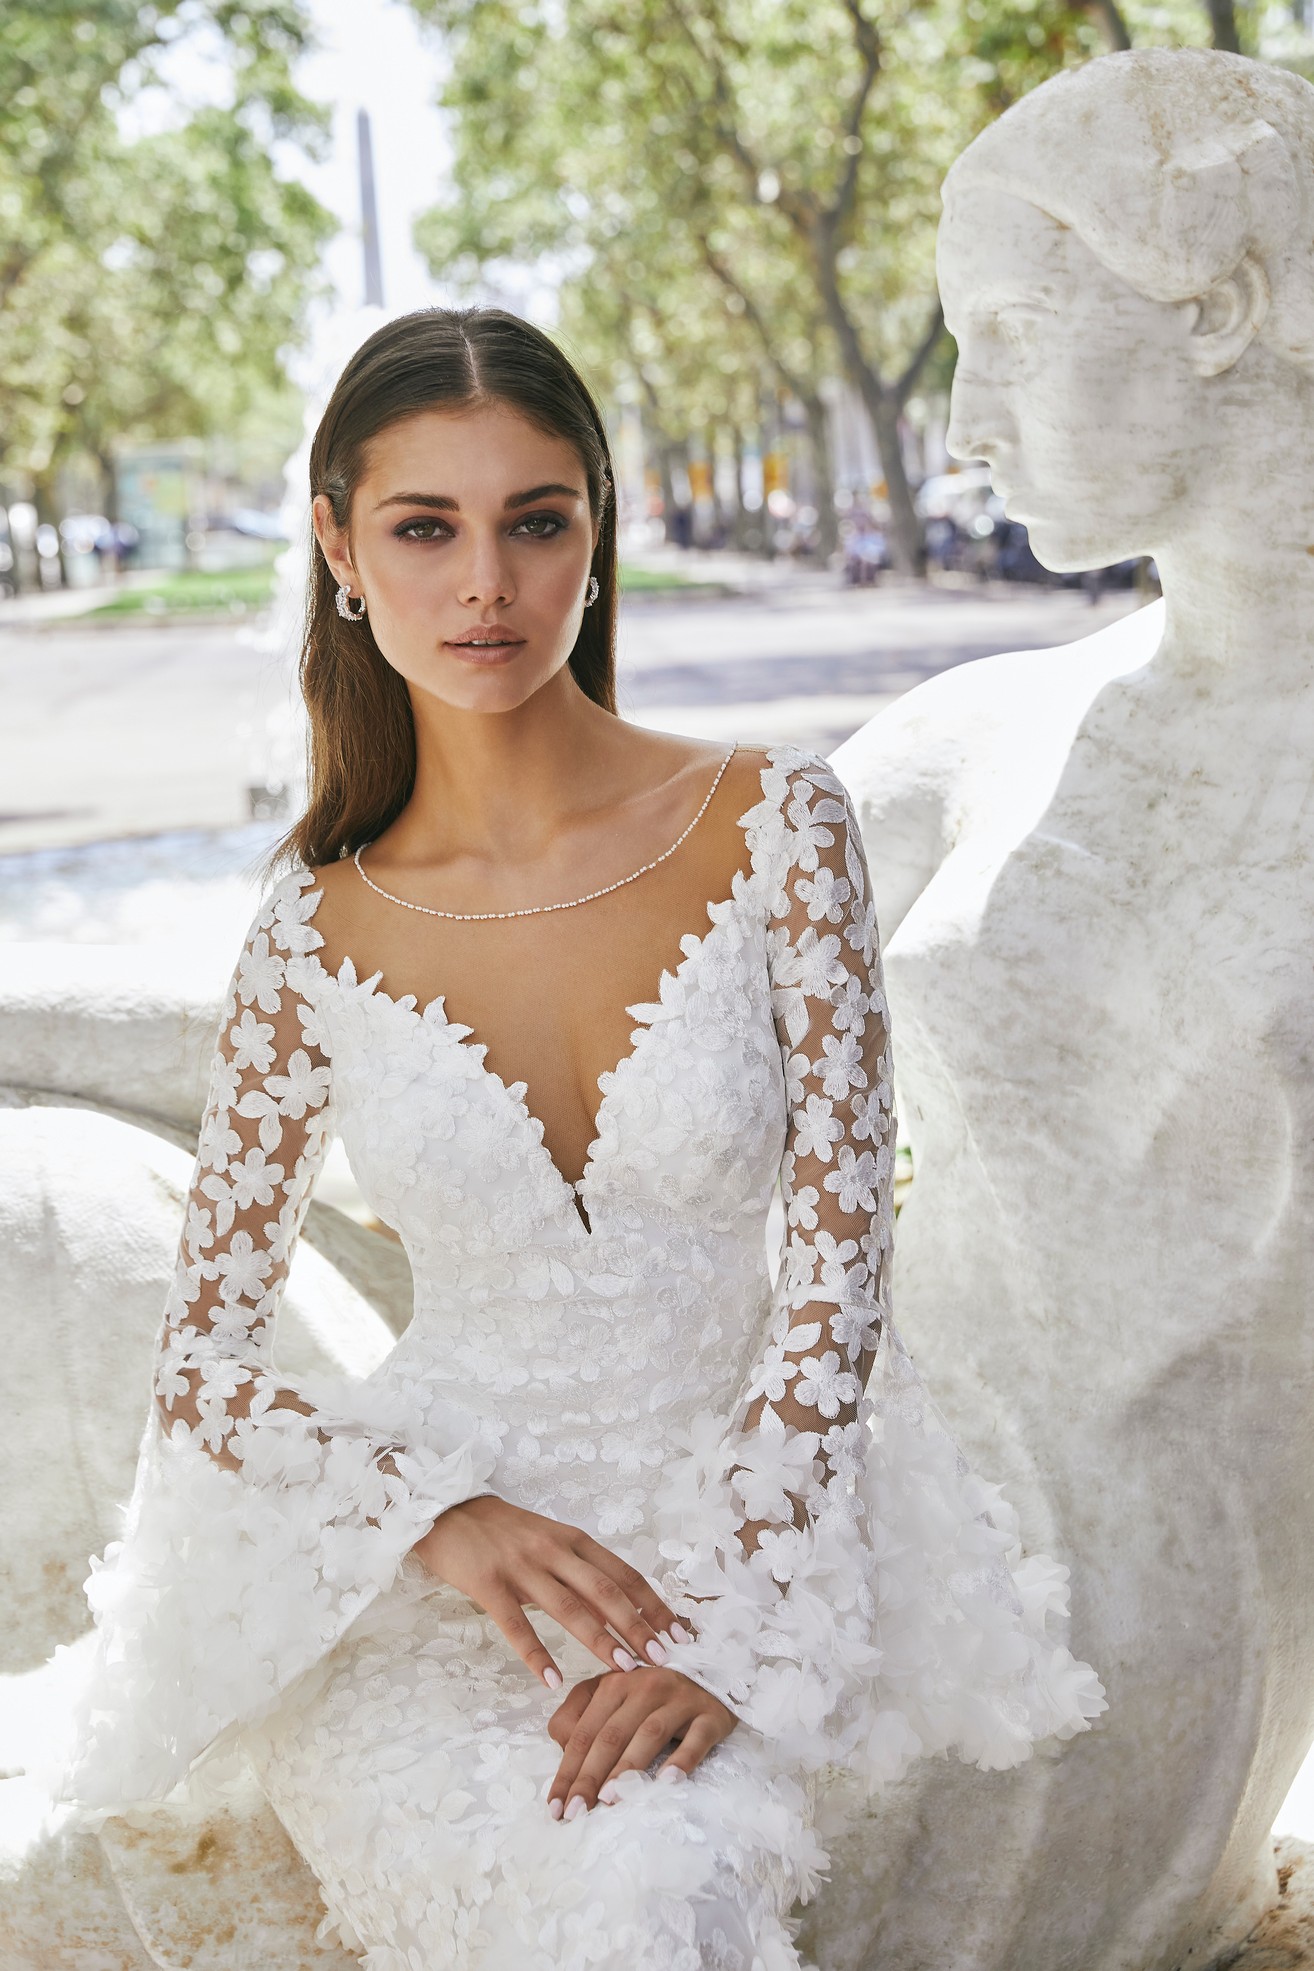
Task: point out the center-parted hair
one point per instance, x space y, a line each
361 742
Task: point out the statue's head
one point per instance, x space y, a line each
1127 265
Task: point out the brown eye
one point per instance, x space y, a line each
407 530
542 526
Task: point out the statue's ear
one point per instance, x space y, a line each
1224 322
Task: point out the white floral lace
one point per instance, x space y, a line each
860 1596
799 1445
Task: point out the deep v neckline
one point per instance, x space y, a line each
465 1037
693 944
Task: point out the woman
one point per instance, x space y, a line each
571 1082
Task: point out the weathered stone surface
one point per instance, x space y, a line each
1092 874
90 1212
220 1891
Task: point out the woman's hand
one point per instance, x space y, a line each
505 1559
618 1724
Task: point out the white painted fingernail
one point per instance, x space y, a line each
575 1806
554 1808
552 1678
670 1772
678 1633
623 1660
655 1652
610 1794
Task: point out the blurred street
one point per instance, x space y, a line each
118 731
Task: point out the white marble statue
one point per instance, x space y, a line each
1093 873
103 1062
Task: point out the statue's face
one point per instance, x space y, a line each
1075 389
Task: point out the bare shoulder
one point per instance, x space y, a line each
339 910
333 877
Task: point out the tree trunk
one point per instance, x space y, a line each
109 473
1222 26
1109 16
43 499
883 410
739 525
720 526
824 473
882 407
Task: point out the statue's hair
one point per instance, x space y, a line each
1172 165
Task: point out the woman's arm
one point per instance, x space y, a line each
779 1560
267 1513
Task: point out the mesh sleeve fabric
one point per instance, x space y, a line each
860 1595
779 1573
265 1515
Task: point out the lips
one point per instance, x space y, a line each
485 636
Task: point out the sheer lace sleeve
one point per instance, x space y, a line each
266 1515
266 1128
860 1594
804 1428
779 1575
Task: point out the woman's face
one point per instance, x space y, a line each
1077 390
470 538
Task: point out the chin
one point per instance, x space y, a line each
1072 548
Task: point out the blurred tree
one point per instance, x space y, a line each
148 287
745 175
788 153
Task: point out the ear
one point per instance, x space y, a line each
332 540
1227 319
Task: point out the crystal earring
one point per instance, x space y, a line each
592 595
344 601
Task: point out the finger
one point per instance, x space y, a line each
520 1632
570 1710
698 1740
639 1589
568 1602
613 1603
606 1698
629 1740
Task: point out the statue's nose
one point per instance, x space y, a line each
980 423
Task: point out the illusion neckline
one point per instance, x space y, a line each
465 1037
465 1040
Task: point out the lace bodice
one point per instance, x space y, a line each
637 1374
804 922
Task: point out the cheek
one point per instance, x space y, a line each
1099 415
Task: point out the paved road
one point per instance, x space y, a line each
113 732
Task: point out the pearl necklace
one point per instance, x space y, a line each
538 909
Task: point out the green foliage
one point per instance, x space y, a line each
228 591
148 289
733 188
692 163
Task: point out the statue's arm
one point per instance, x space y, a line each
904 771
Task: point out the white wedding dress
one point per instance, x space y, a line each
636 1375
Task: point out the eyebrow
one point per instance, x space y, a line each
444 503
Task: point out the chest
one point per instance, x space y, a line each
1127 980
684 1122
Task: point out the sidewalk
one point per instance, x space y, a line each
31 609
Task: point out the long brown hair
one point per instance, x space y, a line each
361 743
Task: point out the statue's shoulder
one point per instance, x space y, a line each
956 720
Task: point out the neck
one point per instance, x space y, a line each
1238 565
1239 608
502 784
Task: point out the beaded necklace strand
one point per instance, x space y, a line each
538 909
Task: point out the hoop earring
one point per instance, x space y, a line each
592 595
344 600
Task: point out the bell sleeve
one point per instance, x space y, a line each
265 1515
858 1595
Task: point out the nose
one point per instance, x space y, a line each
485 579
980 422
